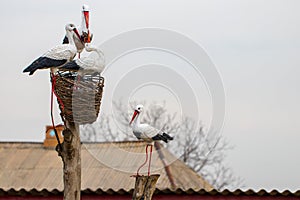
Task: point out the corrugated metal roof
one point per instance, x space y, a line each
237 192
105 166
202 192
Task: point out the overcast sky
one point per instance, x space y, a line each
253 44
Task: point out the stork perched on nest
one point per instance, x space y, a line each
147 133
58 55
90 64
84 32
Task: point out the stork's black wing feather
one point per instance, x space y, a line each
66 40
164 137
43 63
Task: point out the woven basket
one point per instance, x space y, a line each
79 97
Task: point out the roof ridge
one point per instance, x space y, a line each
166 167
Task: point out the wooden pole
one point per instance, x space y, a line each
145 187
70 150
71 157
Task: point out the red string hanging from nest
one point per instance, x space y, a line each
53 81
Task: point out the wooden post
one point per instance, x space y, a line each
144 187
71 157
66 88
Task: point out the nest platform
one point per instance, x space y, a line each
79 97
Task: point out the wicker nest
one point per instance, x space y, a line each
79 97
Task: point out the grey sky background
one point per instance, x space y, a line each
254 45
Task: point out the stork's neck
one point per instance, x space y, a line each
136 121
70 37
90 48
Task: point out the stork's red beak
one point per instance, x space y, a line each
134 115
86 18
77 34
86 15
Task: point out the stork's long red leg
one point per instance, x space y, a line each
149 158
137 173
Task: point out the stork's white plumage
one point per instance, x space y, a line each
58 55
90 64
145 131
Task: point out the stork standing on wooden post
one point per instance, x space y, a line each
147 133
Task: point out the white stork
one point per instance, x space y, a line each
147 133
83 29
89 64
58 55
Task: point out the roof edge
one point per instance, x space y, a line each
238 192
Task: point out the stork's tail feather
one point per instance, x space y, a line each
167 136
164 137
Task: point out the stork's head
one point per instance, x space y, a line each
71 27
139 108
85 7
137 111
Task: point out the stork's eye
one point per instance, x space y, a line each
139 108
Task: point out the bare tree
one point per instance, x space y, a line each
205 152
202 151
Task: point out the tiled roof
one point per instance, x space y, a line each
29 167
